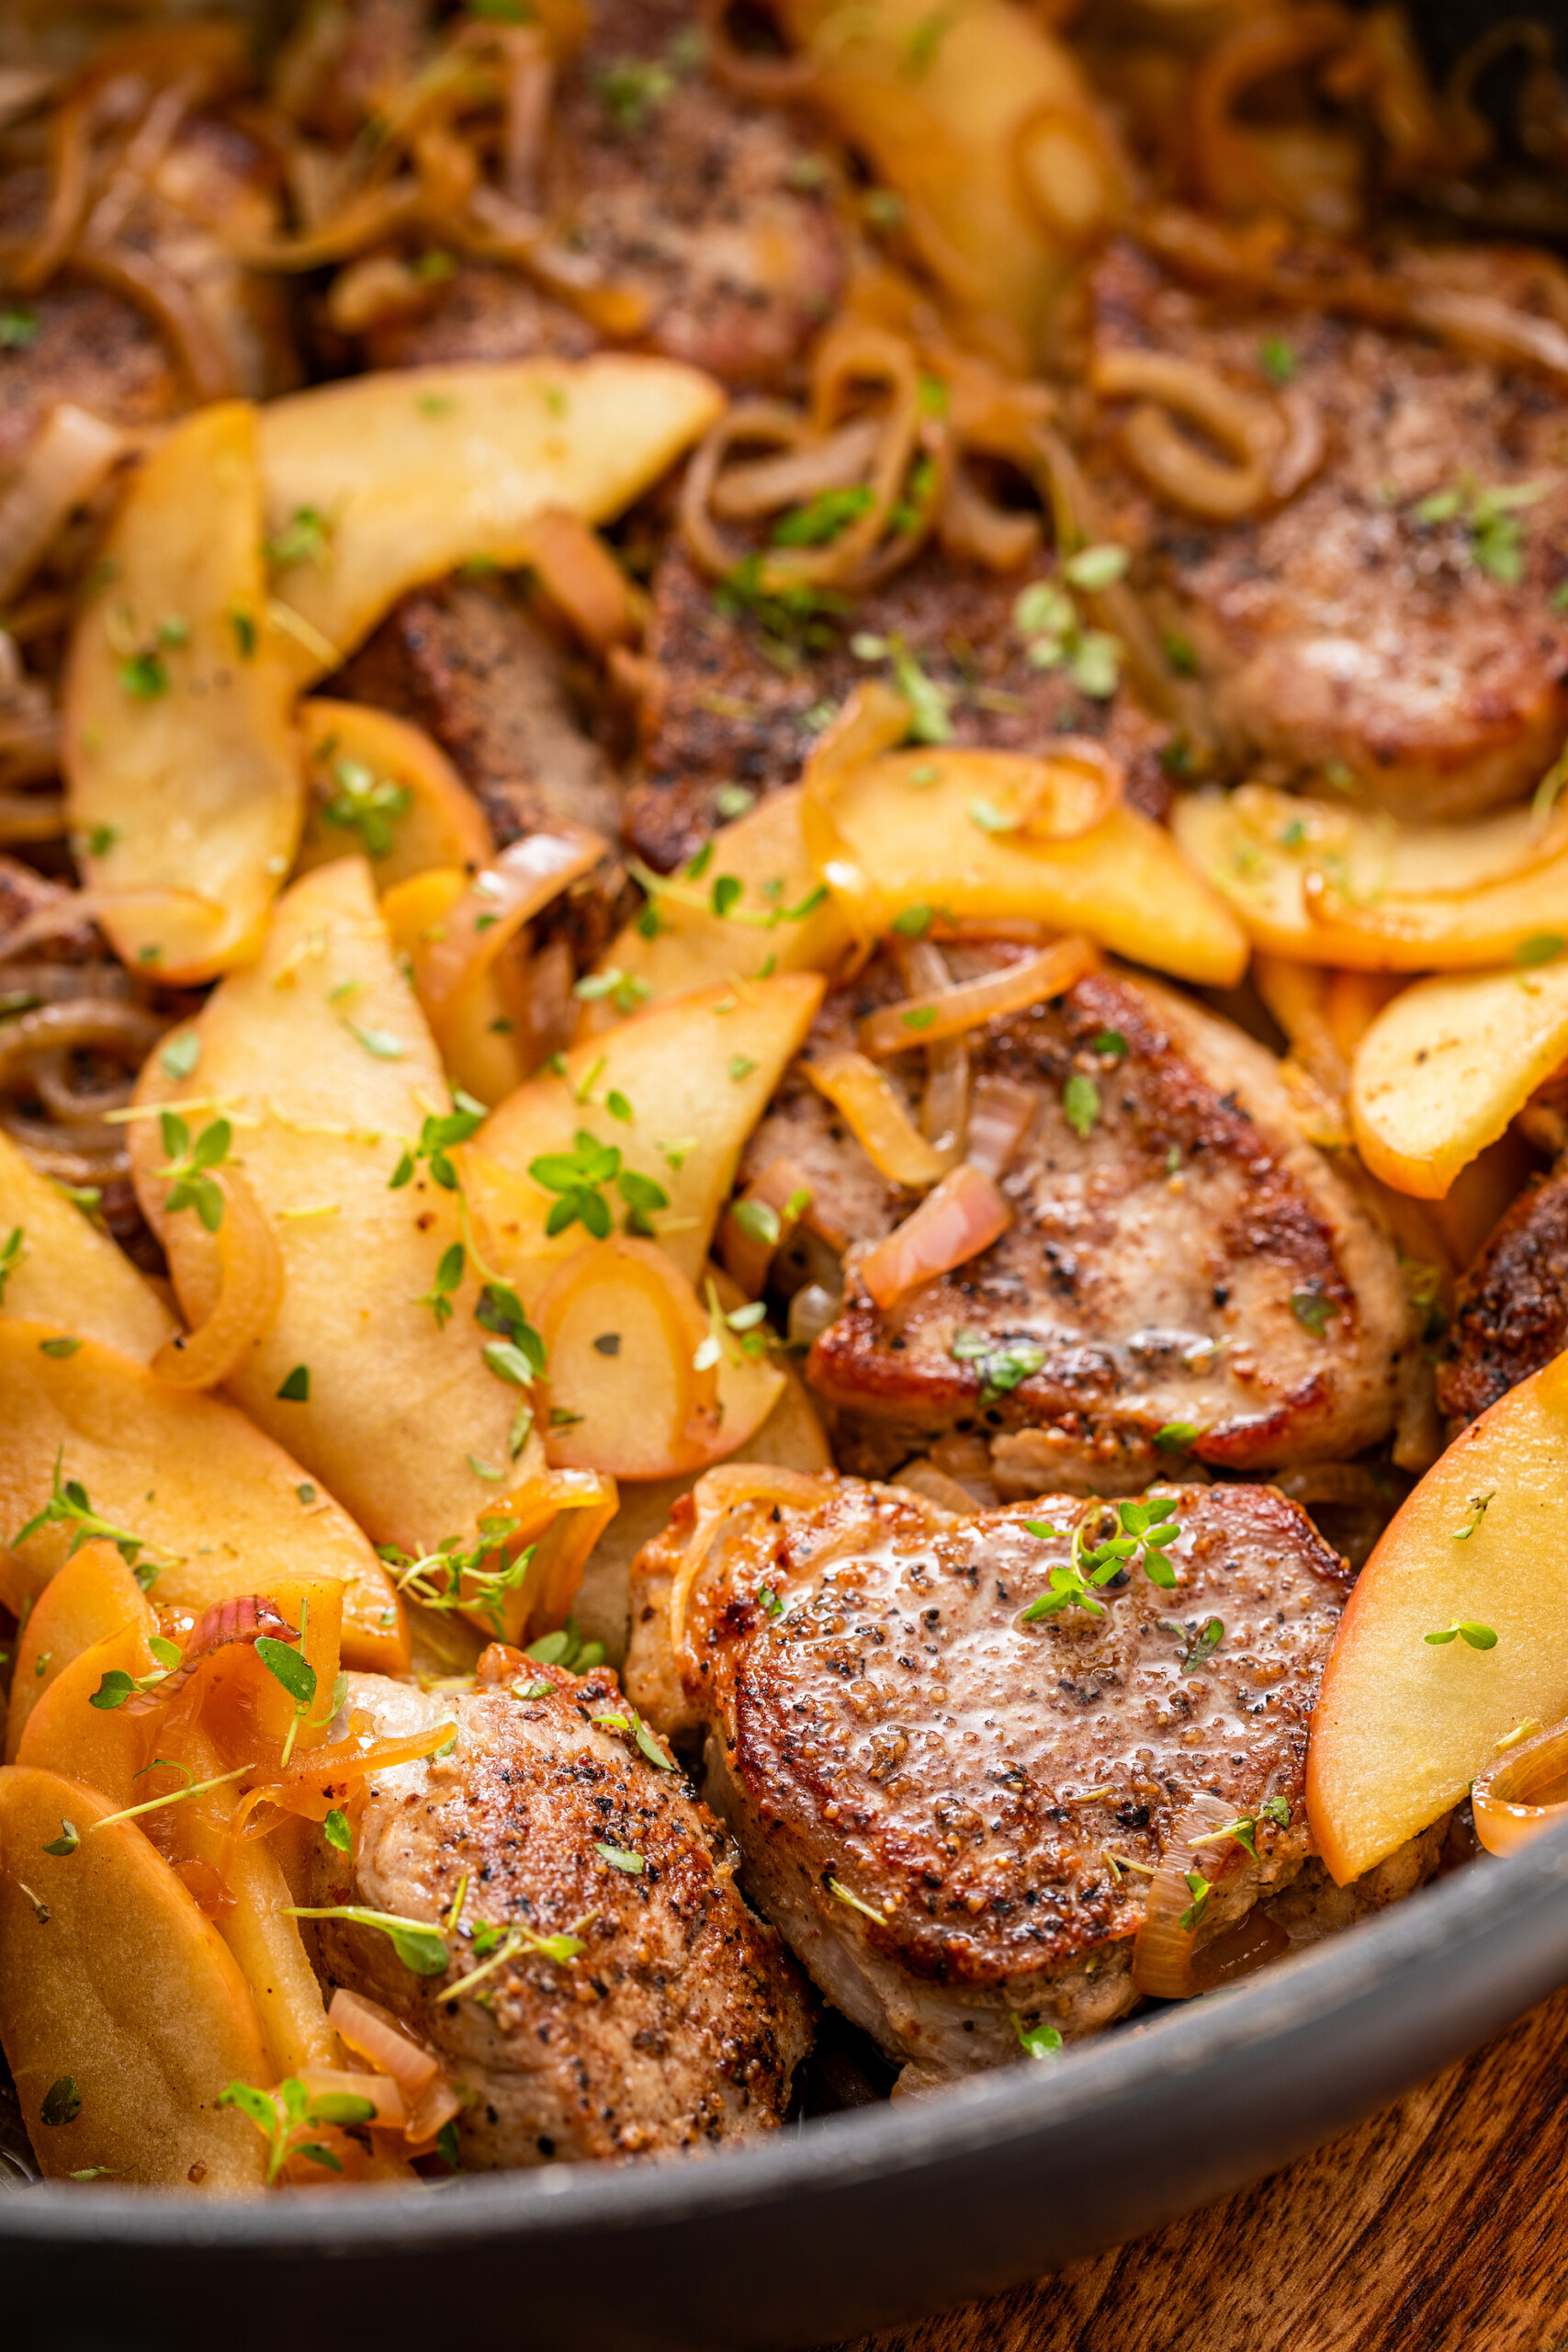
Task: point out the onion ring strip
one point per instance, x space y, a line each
1034 980
250 1290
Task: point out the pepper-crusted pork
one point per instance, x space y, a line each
1393 625
951 1812
1183 1276
680 2023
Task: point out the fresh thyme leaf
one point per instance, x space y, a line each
189 1164
295 1388
1476 1638
70 1838
1206 1641
61 2103
1476 1513
758 1222
65 1346
336 1831
1096 567
369 805
420 1947
1198 1888
1040 2041
68 1506
285 1665
1175 1437
1277 357
619 1858
1080 1104
179 1058
380 1043
1539 947
1311 1311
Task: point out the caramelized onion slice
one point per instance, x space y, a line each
926 1020
1523 1793
67 460
1001 1111
963 1215
721 1495
1249 427
373 2032
877 1119
248 1618
581 578
1172 1958
250 1288
500 900
760 1222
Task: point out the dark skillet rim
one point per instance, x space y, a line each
1493 1932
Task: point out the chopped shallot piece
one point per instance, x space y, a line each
245 1619
961 1217
374 2032
937 1013
1001 1110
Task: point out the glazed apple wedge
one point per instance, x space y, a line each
1405 1722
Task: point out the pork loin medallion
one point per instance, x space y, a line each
954 1783
1183 1274
678 2022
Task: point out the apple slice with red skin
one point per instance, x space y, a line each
1404 1726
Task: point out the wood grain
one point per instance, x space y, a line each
1436 2227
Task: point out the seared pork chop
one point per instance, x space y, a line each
1377 627
731 704
680 2024
464 661
1184 1274
709 211
951 1812
1511 1314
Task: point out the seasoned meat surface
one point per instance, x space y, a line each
464 661
1187 1265
87 345
1354 629
1511 1315
680 2025
734 703
708 211
949 1810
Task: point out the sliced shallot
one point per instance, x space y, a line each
522 880
963 1215
1001 1111
1172 1958
250 1287
1525 1792
947 1012
246 1618
70 456
880 1123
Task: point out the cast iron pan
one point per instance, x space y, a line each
846 2222
833 2226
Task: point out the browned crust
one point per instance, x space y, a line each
1511 1316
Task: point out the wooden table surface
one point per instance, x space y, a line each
1440 2225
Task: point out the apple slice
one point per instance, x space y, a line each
1403 1725
182 767
676 1090
379 784
321 1057
186 1476
777 918
945 829
123 2014
62 1269
1444 1067
380 481
1332 884
93 1596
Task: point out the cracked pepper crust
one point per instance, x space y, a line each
993 1790
680 2026
1154 1259
1341 628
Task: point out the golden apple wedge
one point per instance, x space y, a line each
64 1270
122 2012
1404 1726
183 771
1444 1067
677 1090
946 829
380 481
